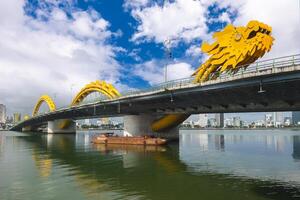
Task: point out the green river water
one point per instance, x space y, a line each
212 164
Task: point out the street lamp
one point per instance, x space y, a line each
72 85
54 96
167 45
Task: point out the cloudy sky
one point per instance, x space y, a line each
56 47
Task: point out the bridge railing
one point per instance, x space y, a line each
265 66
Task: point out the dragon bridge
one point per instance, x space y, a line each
234 48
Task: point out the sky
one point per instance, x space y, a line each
56 47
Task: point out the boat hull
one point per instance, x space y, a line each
128 140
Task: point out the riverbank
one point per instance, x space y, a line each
262 128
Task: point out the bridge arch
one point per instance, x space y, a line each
97 86
44 99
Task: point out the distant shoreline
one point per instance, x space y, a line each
185 128
271 128
207 129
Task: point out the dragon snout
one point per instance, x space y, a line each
255 27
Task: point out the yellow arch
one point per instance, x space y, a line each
98 86
47 100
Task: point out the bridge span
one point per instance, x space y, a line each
271 85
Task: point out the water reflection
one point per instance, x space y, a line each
219 142
124 149
265 155
296 147
43 164
208 164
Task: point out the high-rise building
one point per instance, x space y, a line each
203 120
87 122
9 119
228 122
278 118
219 119
268 120
236 121
17 117
212 122
2 113
105 121
287 121
296 117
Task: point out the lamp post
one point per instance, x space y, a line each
167 45
54 96
71 87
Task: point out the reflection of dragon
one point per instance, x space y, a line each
235 47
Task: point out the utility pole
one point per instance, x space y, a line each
54 95
72 85
168 53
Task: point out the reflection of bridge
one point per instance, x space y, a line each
272 85
92 167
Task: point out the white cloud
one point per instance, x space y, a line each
49 56
185 20
224 17
179 20
283 16
135 4
134 53
194 51
179 70
153 71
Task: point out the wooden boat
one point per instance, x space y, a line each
105 139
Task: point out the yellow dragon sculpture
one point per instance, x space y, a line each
234 48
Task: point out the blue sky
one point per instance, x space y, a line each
122 22
56 47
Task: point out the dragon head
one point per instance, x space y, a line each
234 47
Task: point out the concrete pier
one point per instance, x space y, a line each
56 126
27 129
140 125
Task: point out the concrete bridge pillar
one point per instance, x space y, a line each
27 129
57 126
140 125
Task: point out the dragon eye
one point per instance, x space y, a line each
238 36
252 34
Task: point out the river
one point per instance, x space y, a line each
204 164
